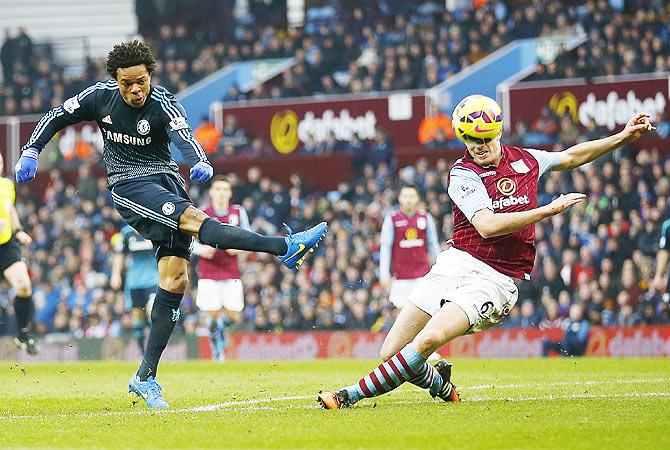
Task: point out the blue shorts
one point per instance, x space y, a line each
139 297
152 205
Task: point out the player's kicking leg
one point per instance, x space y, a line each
291 249
409 363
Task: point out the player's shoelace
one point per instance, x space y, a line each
154 390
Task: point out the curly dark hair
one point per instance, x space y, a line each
128 54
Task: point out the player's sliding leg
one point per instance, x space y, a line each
291 250
410 321
408 363
24 307
173 272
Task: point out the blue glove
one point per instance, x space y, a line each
26 168
201 172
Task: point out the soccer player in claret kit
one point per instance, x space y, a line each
471 285
12 265
408 246
220 291
138 121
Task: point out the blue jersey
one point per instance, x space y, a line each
141 266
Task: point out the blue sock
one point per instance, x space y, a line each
406 365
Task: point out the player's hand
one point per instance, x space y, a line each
201 172
636 127
207 252
115 281
26 168
385 283
564 202
233 251
23 237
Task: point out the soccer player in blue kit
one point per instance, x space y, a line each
138 121
141 282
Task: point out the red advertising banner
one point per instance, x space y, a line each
610 101
289 124
498 343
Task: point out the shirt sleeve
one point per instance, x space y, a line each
468 192
386 247
546 160
73 110
244 220
431 237
179 130
122 245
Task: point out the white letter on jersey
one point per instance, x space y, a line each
178 123
71 104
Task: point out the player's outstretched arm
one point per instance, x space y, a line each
585 152
490 224
73 110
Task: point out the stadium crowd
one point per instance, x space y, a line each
351 47
600 254
636 40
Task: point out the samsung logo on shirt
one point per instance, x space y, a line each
124 138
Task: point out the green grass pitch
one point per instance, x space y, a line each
555 403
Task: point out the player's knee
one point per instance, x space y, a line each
191 220
429 340
175 282
23 288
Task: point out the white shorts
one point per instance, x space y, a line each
400 291
216 294
484 294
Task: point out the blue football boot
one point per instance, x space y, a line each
148 390
300 243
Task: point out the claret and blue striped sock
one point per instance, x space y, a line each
406 365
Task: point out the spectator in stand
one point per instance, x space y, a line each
576 335
529 318
381 150
233 133
208 136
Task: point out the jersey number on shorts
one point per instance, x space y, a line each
485 307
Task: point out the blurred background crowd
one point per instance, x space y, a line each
352 47
601 254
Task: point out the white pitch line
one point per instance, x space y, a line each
477 399
253 403
564 383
